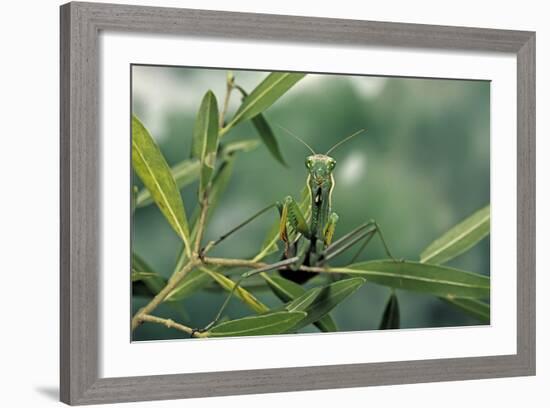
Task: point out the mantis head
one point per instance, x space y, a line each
320 166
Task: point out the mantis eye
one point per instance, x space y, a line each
332 164
308 163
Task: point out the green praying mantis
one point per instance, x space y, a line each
307 234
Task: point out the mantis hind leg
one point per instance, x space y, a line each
378 231
364 232
237 285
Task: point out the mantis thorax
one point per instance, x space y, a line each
320 182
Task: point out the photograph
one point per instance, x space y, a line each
305 203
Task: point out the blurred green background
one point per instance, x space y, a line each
421 167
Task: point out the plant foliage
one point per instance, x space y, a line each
210 167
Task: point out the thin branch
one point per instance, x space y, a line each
228 90
234 263
171 325
202 223
225 106
159 297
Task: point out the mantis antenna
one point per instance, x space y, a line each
297 138
341 142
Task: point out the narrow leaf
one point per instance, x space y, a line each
459 238
284 289
188 171
434 279
184 173
150 283
244 146
205 138
317 302
151 167
264 95
219 184
264 130
475 308
133 199
241 293
268 137
139 276
154 282
191 283
269 244
272 323
390 318
288 291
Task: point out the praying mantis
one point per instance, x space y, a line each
307 235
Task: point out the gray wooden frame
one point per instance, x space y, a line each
80 234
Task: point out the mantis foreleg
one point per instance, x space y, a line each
328 232
292 215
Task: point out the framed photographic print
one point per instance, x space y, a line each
258 203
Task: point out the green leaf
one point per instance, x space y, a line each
390 318
268 137
205 138
184 173
154 282
219 184
151 167
284 289
458 239
264 95
244 146
271 323
188 171
434 279
139 276
317 302
133 199
191 283
269 244
150 283
241 293
287 291
475 308
264 130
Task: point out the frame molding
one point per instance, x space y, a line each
79 178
